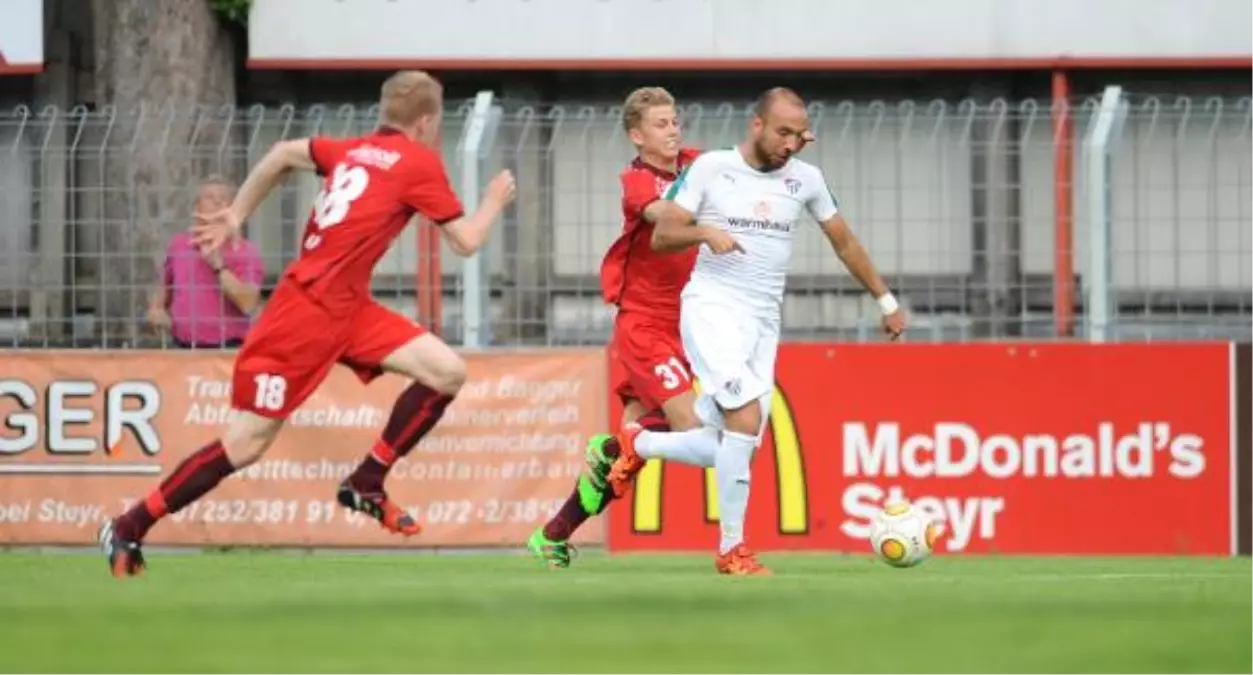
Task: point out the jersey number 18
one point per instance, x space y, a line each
330 207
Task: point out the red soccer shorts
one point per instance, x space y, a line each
294 344
649 364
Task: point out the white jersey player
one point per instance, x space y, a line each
743 205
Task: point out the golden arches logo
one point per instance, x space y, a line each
793 504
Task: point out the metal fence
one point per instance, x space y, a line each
960 203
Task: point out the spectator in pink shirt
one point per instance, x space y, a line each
205 300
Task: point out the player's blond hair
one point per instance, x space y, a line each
409 95
640 101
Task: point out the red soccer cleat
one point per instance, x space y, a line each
125 557
629 463
740 562
376 505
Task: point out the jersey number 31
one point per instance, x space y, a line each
330 207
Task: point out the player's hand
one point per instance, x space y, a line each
807 137
502 189
894 324
721 242
211 230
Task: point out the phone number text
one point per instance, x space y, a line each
318 512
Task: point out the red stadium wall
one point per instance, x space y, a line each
1022 448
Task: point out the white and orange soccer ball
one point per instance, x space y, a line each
902 535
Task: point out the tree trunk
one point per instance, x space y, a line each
168 70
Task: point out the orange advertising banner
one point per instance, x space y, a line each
84 433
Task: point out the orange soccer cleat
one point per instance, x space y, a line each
740 562
376 505
629 463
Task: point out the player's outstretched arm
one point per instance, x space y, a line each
674 227
466 235
821 205
212 229
269 172
854 256
674 217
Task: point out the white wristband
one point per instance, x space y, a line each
888 304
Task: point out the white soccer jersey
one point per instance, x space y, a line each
761 210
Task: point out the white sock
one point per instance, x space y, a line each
733 465
764 402
696 447
708 413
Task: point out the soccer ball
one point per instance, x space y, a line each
902 535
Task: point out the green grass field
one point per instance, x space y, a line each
271 612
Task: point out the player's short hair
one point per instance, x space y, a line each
638 103
409 95
768 98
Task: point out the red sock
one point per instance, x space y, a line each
571 515
416 412
569 518
654 420
194 476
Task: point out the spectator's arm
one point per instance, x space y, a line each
161 296
244 295
159 301
240 279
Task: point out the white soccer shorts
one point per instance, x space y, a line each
732 351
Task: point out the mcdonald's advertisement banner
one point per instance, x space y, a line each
1045 449
83 433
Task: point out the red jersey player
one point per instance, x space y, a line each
322 313
653 380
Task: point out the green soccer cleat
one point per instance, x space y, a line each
598 463
554 554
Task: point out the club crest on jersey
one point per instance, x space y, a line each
793 186
663 185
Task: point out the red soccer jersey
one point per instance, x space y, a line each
372 186
633 276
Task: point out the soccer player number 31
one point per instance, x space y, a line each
332 203
672 373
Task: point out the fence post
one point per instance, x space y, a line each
1098 281
475 300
